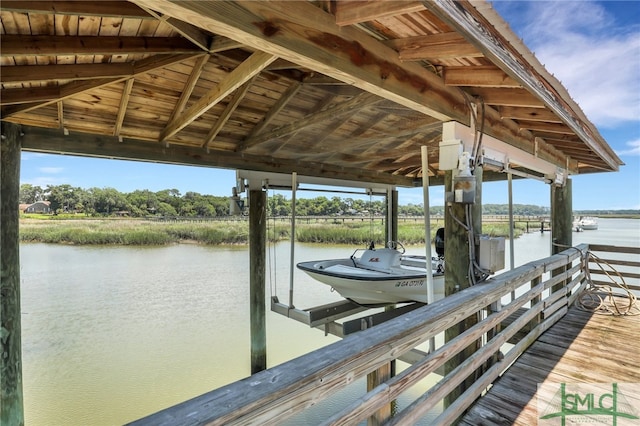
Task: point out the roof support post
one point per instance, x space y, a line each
387 371
456 276
257 262
12 407
561 222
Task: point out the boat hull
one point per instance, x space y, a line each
370 287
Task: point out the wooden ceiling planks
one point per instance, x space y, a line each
113 69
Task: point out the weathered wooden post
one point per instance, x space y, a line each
561 222
456 277
385 372
257 262
11 407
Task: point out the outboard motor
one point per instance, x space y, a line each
439 242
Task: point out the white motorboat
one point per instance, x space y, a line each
586 223
379 276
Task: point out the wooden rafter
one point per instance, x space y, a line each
244 72
32 100
48 45
507 97
315 37
194 34
346 107
479 76
530 114
60 114
220 44
112 8
323 104
354 12
194 76
237 97
276 108
122 110
537 126
435 46
53 72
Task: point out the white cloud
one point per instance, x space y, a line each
634 148
44 181
51 170
595 59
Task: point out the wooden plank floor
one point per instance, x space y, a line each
581 348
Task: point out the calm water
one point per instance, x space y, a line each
111 334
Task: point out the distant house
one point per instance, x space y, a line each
37 207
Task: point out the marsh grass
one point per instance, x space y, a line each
146 232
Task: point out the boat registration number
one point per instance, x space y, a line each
410 283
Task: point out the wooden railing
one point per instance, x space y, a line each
524 301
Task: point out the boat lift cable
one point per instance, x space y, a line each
273 270
292 238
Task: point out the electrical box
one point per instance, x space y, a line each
450 152
464 189
491 253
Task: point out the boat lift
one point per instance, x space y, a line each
324 317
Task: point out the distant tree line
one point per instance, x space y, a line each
170 202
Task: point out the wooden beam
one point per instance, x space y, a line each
53 72
535 126
346 107
53 141
479 76
112 8
60 115
49 45
220 44
355 12
507 97
238 96
30 102
435 46
122 109
529 114
196 72
29 95
244 72
340 120
276 108
188 31
306 35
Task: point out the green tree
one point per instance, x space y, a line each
29 194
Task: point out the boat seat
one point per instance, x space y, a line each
379 260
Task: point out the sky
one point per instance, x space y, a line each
592 48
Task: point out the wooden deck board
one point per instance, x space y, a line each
581 348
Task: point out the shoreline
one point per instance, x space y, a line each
222 232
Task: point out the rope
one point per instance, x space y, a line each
601 298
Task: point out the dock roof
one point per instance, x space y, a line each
336 89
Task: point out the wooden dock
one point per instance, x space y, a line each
555 343
583 347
